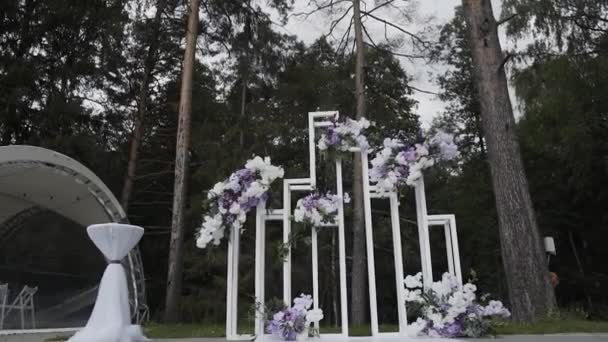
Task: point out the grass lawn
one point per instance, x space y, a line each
155 330
552 326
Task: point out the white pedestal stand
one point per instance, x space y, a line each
110 320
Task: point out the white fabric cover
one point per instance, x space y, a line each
110 320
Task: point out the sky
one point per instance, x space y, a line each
429 14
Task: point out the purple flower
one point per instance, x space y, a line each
251 203
334 138
310 202
452 330
244 173
410 154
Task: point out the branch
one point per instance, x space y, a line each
504 61
415 37
380 6
337 21
422 91
368 37
506 19
318 8
345 37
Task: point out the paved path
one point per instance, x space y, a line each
513 338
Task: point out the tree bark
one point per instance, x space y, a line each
142 106
243 108
359 267
530 292
174 276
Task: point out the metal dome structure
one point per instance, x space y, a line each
34 179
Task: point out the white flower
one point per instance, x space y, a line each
450 280
211 230
415 329
390 144
322 145
468 287
267 171
298 215
362 143
257 163
421 150
218 188
364 123
412 282
255 190
413 295
233 183
440 289
437 319
303 302
314 315
235 208
495 308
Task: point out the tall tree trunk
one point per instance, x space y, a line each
523 257
174 276
359 267
243 108
142 106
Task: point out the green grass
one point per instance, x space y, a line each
554 326
551 326
155 330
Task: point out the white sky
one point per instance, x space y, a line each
311 28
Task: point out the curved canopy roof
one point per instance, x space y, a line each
33 177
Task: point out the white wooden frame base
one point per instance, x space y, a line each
317 120
448 222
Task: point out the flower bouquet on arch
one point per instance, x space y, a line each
317 209
295 323
230 200
312 211
398 163
450 310
344 137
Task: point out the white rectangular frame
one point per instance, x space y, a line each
315 120
448 222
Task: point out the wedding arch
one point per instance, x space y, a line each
35 179
215 224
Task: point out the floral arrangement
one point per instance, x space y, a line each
398 164
316 209
293 323
232 199
344 136
450 310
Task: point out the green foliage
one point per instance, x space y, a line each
571 27
564 145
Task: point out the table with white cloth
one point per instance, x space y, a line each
110 320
